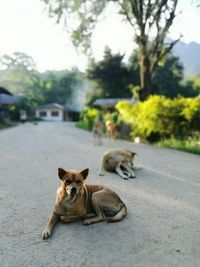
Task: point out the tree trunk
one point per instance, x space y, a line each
145 78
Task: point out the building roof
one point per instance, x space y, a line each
4 91
6 99
73 108
50 106
110 101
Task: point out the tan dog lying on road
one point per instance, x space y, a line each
120 161
76 201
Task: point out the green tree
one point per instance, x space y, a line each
61 87
112 76
150 20
19 75
191 86
167 78
17 60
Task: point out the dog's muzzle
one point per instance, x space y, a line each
73 190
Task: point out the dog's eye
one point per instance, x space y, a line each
78 182
68 181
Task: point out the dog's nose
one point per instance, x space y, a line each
73 189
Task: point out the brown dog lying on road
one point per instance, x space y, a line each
76 201
119 161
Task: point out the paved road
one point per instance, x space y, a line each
162 227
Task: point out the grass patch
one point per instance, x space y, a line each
5 125
83 125
191 145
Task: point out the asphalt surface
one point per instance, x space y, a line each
162 227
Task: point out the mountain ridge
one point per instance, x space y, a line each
189 55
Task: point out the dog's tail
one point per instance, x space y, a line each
119 216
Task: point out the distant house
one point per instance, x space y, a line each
109 103
50 112
7 100
72 112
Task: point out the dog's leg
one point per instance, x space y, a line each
94 137
96 219
90 215
129 170
124 170
119 171
101 169
48 229
100 142
96 204
98 216
126 173
70 218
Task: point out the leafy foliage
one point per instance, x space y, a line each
87 118
160 117
167 79
111 75
191 85
60 87
36 88
17 60
150 20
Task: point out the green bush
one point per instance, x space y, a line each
160 117
87 118
22 103
4 125
89 115
112 116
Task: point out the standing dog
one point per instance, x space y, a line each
120 161
98 131
111 129
76 201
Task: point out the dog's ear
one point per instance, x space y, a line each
84 173
61 173
132 153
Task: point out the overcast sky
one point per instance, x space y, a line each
25 27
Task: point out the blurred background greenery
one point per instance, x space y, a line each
160 100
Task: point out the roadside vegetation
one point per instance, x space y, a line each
169 122
191 145
5 125
159 120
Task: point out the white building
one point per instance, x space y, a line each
50 112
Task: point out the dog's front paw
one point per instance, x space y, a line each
125 177
86 222
46 233
101 174
132 175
